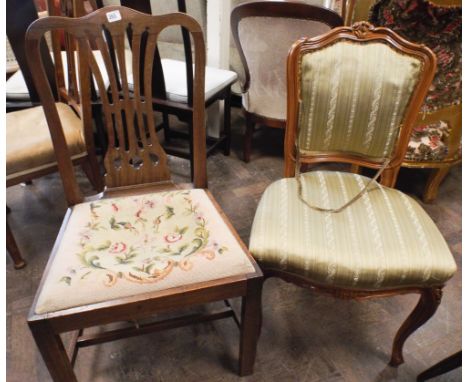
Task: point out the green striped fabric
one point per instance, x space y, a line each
354 97
385 240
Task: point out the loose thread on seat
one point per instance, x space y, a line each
344 206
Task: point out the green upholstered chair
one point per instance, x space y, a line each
353 95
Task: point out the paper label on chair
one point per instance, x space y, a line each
113 16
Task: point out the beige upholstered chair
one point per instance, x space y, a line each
263 32
353 96
29 148
145 245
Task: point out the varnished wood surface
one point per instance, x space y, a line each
305 336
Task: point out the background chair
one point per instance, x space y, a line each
172 96
353 96
263 55
148 246
436 139
20 91
29 149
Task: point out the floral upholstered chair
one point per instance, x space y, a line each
353 96
436 138
146 245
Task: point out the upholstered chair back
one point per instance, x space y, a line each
134 155
264 32
353 94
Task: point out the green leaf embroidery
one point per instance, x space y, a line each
113 224
169 212
66 280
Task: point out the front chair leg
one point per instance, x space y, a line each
53 352
250 326
425 309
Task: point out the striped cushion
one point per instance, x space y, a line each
384 240
354 98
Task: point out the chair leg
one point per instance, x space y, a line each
53 352
13 250
192 162
166 127
227 122
433 183
250 326
93 175
442 367
249 128
425 309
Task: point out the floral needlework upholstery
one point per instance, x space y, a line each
120 247
439 28
428 143
384 240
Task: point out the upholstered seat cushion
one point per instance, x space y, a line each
175 78
384 240
28 142
121 247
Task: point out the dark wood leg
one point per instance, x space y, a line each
227 122
192 163
93 175
433 183
53 352
100 129
425 309
249 128
13 250
250 326
442 367
166 127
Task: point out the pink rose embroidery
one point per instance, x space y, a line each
118 247
172 237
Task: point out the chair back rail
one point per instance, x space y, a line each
144 6
361 34
134 155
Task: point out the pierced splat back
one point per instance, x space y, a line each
134 155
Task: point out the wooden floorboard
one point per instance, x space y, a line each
305 336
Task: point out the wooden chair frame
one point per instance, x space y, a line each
430 297
46 328
283 9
